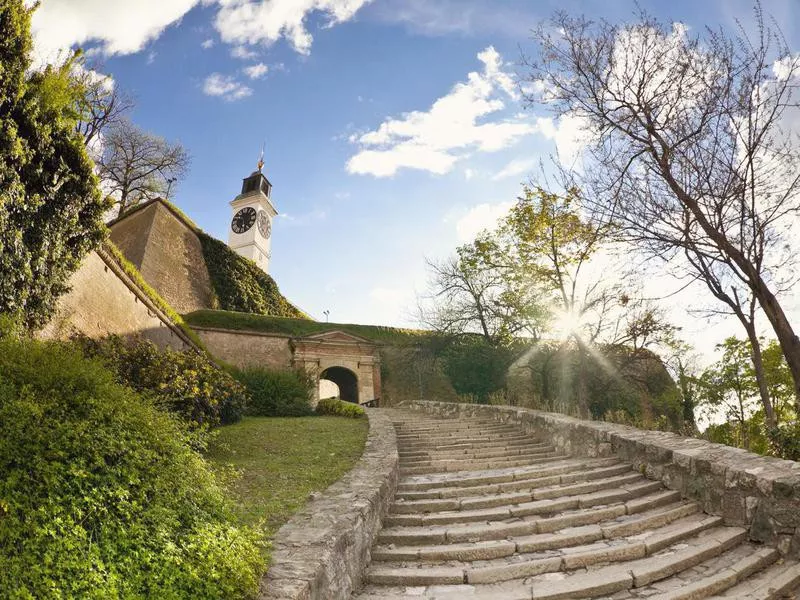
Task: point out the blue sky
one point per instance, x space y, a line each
341 91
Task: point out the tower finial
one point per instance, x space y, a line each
261 158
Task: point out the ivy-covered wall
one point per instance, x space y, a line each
240 285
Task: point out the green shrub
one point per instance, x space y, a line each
340 408
101 496
785 441
277 393
185 383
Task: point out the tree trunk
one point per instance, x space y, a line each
761 377
583 392
790 344
688 400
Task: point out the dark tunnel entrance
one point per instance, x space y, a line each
345 379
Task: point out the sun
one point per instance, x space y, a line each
566 323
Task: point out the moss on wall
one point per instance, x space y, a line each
240 285
242 321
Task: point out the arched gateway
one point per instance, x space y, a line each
351 362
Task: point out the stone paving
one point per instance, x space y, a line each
482 511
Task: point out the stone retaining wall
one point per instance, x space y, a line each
104 300
322 551
758 492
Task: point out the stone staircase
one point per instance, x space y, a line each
483 511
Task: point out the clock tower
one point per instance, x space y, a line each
250 230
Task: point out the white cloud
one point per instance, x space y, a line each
469 174
251 22
243 53
455 125
227 87
787 66
119 26
126 27
515 168
209 43
256 71
570 134
480 217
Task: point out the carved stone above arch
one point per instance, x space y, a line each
320 351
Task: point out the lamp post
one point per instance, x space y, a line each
327 314
170 181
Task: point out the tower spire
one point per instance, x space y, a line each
261 158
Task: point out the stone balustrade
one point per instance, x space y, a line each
322 551
760 493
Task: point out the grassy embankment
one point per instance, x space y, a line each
282 460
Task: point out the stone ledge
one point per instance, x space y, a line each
761 493
322 551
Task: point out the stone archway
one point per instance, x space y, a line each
345 379
351 362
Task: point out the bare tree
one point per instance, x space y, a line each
468 296
101 105
689 157
136 165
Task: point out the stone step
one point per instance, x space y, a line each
479 465
471 450
776 582
446 444
530 565
477 452
718 574
455 426
498 530
542 478
402 506
460 434
674 526
462 459
495 476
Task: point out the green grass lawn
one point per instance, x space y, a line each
282 460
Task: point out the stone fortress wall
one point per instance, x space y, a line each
103 300
168 254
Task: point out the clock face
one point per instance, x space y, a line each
244 219
264 226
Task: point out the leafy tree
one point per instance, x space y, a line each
548 241
50 207
136 165
469 296
687 154
475 367
729 388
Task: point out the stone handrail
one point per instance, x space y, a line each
321 552
761 493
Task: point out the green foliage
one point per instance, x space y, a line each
729 389
51 210
475 367
185 383
277 393
301 327
627 387
340 408
784 441
101 495
240 285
